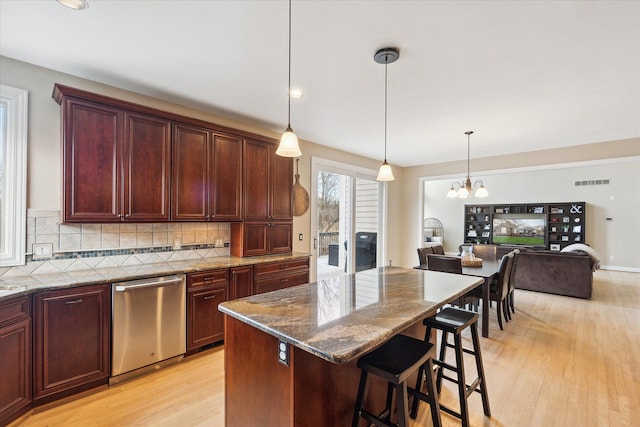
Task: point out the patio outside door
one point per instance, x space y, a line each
346 218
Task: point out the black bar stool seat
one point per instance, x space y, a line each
394 362
453 321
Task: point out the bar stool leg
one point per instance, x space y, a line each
362 391
402 403
462 387
480 369
443 353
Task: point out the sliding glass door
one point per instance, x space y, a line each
346 219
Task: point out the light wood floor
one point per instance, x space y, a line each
560 362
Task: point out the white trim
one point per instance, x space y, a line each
618 268
14 206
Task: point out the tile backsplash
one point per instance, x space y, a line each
43 226
82 246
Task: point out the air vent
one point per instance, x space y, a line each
591 182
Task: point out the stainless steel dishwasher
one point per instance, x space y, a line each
149 325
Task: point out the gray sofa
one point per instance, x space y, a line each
561 273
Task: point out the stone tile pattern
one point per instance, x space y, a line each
118 244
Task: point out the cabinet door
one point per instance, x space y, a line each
206 322
15 374
256 181
280 240
147 168
71 345
92 141
281 187
190 174
241 282
226 179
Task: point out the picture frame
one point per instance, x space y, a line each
538 209
577 229
566 219
472 233
553 229
578 238
554 246
565 238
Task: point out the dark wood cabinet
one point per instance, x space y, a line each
116 163
268 203
207 175
276 275
15 358
92 147
241 282
72 332
147 168
205 291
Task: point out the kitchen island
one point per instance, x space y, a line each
321 329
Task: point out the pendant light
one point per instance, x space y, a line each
465 189
386 56
289 141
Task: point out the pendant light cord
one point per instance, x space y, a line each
468 154
386 62
289 83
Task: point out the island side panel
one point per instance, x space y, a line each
258 388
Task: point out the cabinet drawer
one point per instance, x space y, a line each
281 266
280 282
14 310
208 278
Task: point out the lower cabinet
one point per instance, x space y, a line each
15 358
276 275
205 323
72 334
241 283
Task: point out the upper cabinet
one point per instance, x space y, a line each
268 183
268 203
116 163
207 175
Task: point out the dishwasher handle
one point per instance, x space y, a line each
124 288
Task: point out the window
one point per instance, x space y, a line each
13 170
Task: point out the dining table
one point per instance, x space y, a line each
488 271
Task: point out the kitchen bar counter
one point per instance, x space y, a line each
18 285
325 327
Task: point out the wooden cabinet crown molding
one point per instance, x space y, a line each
62 91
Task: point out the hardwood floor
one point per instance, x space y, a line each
561 361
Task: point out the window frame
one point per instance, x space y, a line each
14 192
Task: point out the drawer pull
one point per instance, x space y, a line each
210 297
209 279
284 280
283 266
75 301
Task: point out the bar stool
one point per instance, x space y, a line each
454 321
394 362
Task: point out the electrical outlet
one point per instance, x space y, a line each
283 353
219 242
42 251
300 237
177 245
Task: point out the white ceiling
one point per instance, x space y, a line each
524 75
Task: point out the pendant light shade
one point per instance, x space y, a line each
288 146
465 189
386 56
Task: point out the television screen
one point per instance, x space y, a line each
519 231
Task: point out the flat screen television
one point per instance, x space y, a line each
519 231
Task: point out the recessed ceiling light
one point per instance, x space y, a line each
296 93
75 4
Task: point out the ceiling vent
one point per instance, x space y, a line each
591 182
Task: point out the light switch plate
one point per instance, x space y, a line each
42 251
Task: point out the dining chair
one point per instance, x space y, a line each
499 290
485 251
450 264
422 254
512 283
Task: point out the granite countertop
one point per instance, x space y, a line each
341 318
15 286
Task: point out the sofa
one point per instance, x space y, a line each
561 273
